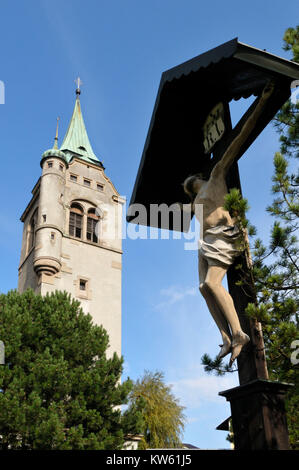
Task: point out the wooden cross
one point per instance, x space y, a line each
188 134
252 361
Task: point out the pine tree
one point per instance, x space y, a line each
58 388
275 269
163 417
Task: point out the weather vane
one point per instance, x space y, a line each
78 82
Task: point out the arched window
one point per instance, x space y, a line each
31 231
92 230
76 218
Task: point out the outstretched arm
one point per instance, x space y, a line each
233 149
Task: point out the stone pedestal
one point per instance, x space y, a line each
258 415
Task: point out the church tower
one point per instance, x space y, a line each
72 230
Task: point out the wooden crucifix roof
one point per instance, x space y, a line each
174 147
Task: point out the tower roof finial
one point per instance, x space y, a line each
56 136
54 151
76 142
78 82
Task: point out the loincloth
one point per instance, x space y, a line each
221 245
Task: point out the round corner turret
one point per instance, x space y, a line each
53 153
51 214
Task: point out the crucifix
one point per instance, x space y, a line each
221 235
191 133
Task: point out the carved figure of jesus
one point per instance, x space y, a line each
219 246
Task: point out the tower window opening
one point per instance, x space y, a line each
86 182
44 218
92 226
73 178
60 167
76 218
82 284
50 164
31 232
100 187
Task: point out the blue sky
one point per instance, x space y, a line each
120 49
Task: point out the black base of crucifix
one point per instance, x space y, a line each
258 415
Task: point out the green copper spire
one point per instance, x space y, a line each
76 141
54 152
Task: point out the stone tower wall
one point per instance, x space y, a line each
60 261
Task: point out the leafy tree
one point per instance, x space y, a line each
163 416
59 390
275 268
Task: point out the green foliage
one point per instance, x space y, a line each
133 417
163 416
291 42
275 268
237 206
215 365
287 119
59 390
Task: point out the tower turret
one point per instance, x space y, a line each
72 230
51 213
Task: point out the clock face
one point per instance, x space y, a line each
213 128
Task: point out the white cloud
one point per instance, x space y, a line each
191 420
193 392
175 294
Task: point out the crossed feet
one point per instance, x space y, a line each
235 346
